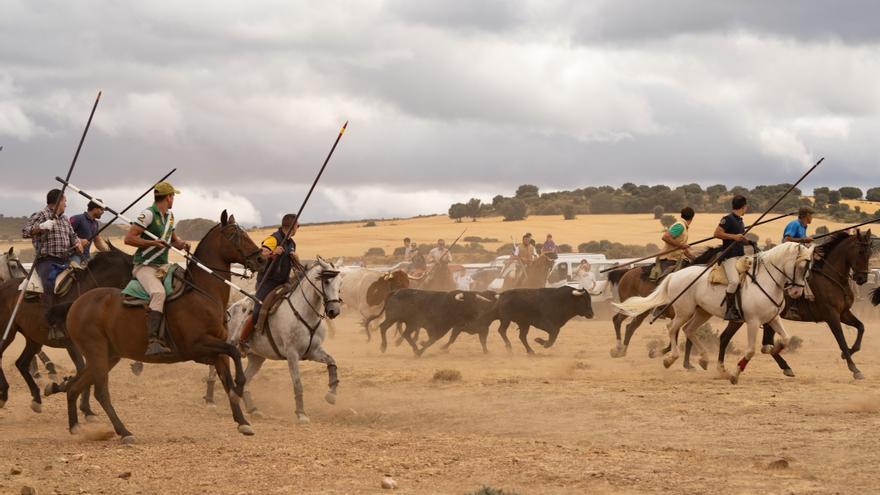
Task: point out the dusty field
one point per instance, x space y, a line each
572 420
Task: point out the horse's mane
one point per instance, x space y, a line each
115 255
778 253
835 240
707 255
200 244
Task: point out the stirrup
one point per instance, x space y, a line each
156 347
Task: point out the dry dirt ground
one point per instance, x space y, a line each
571 420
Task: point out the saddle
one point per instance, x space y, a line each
134 294
33 286
717 276
271 303
660 269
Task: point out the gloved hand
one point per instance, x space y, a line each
47 225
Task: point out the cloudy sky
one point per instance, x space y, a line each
447 99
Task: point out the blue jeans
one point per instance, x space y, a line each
48 269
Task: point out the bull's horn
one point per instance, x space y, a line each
459 297
484 299
577 292
386 276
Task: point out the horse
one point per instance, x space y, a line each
294 332
843 254
774 272
107 269
10 266
105 330
439 277
530 276
632 282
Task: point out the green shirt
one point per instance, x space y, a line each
676 230
160 226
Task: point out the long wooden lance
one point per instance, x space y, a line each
305 201
615 267
54 213
130 206
187 256
718 256
875 220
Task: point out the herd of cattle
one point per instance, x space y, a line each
375 295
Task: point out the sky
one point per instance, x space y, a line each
446 100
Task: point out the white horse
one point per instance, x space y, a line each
294 332
782 268
10 267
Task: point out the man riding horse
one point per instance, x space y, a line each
674 238
796 230
53 239
284 251
731 230
86 226
151 258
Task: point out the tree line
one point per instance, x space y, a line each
663 201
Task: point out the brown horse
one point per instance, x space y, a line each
438 278
534 276
105 330
842 256
632 282
107 269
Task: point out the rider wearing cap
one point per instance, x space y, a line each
731 231
53 240
151 258
796 230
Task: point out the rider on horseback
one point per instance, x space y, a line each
675 237
53 240
731 231
86 227
151 258
286 258
796 230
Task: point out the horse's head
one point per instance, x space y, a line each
798 265
234 245
325 277
859 255
10 267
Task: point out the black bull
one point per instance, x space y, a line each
548 309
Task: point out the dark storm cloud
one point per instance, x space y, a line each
446 99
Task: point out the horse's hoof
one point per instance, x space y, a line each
330 398
788 372
137 368
766 349
246 430
36 406
128 440
256 413
382 348
668 361
2 403
210 405
76 429
50 389
303 419
734 379
689 366
92 418
704 364
858 375
652 353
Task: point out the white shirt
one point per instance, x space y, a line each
437 253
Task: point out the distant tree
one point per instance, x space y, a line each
568 212
497 200
658 212
474 207
820 190
375 251
527 191
820 200
629 187
513 209
850 192
667 220
873 194
602 202
833 197
607 189
564 248
692 188
370 224
458 211
821 230
717 189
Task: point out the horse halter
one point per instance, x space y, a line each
791 281
234 238
325 275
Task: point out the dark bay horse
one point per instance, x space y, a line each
632 282
534 276
842 256
106 269
105 330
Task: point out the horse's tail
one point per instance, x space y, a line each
637 305
875 296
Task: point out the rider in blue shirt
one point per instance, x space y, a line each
796 230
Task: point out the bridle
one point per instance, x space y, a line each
234 238
325 276
788 281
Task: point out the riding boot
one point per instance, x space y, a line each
155 346
55 333
732 312
246 332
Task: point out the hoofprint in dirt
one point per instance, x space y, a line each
571 420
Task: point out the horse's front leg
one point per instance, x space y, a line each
321 356
753 327
850 319
774 349
680 319
210 380
222 366
293 368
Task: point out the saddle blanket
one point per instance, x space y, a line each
135 290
